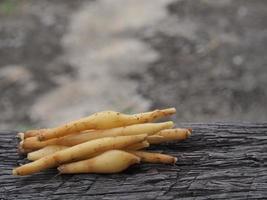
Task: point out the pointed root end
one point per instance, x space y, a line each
20 135
14 172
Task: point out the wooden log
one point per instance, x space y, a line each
219 161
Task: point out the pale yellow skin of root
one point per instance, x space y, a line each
137 146
28 134
103 120
169 135
22 150
154 157
32 133
78 152
34 143
21 135
48 150
154 139
166 135
112 161
74 139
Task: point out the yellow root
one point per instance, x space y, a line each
74 139
137 146
154 157
112 161
169 135
48 150
103 120
32 133
78 152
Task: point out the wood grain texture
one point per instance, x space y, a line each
219 161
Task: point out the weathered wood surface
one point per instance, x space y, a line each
219 161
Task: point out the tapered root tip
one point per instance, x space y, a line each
20 148
169 110
14 172
137 160
189 132
29 157
146 144
169 124
20 135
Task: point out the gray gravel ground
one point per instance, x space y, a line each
217 71
65 59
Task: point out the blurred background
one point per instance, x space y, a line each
64 59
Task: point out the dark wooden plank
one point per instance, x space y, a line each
219 161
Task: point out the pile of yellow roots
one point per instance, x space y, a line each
105 142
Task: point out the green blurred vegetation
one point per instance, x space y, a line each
8 6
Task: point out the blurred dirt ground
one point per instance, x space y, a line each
65 59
